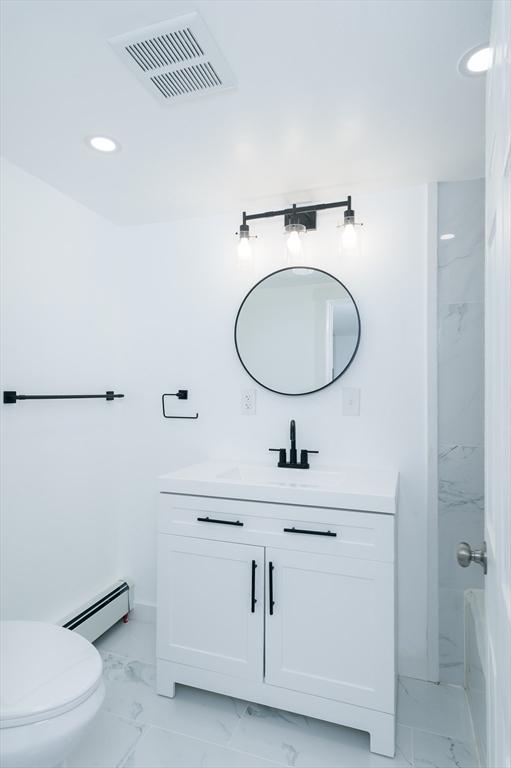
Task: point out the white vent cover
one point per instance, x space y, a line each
175 59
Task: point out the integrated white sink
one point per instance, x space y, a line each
342 488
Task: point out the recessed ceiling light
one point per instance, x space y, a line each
103 144
477 61
447 236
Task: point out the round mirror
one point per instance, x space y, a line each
297 331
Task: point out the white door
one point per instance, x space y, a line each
498 389
211 605
330 627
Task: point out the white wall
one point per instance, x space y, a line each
146 310
182 289
59 458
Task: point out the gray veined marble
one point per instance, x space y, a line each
460 374
461 504
475 677
452 641
139 729
461 260
460 512
461 478
131 694
460 406
431 751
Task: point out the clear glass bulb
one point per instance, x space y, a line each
350 236
294 245
244 250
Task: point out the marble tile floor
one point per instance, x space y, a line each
139 729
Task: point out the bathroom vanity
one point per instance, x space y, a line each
278 586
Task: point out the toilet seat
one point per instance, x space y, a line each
45 671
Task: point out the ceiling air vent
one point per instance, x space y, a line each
175 59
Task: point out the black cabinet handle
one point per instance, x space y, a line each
253 599
272 601
313 533
223 522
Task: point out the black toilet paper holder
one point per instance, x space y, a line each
181 394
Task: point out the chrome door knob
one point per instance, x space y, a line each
465 555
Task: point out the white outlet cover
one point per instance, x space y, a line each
248 402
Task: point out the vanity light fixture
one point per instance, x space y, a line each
297 221
103 144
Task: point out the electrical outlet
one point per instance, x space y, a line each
248 402
350 401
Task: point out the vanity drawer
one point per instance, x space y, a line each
345 533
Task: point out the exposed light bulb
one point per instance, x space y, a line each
349 237
349 240
244 250
294 245
244 245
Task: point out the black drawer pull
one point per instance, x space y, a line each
272 601
223 522
253 597
314 533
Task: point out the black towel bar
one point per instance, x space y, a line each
11 396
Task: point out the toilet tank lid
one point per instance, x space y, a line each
45 670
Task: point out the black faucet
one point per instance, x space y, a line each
292 437
293 463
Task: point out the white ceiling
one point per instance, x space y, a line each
330 92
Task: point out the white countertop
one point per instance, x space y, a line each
356 488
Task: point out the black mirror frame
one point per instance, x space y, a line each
312 391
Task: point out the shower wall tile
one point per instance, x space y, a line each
460 406
460 374
451 649
461 260
460 511
460 517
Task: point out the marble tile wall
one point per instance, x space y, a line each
460 406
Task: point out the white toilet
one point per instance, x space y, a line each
51 688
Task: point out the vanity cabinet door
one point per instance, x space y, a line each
331 629
211 605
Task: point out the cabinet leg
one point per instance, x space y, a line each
382 740
165 688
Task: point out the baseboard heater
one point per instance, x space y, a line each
94 617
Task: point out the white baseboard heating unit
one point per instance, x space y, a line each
98 614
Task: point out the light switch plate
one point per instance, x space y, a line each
248 402
350 401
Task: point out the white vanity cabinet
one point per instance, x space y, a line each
281 604
205 612
321 637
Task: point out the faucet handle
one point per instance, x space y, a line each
282 455
304 458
